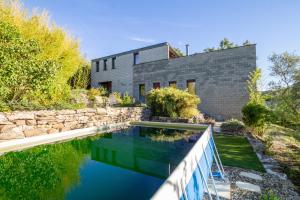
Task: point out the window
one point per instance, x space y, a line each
136 58
173 84
142 92
97 66
104 65
113 63
156 85
191 86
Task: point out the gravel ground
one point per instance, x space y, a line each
283 189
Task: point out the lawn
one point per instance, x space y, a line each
236 151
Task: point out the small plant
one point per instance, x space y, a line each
256 117
127 100
269 196
233 126
92 93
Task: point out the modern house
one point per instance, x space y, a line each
219 77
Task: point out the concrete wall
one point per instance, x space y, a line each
122 76
221 78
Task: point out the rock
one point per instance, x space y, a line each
20 115
101 111
6 128
34 132
31 122
2 118
45 113
251 175
70 125
58 126
248 186
65 112
11 135
20 122
52 130
42 122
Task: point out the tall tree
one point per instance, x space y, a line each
286 86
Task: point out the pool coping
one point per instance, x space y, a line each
25 143
171 125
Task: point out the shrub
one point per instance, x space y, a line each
256 116
82 78
127 100
269 195
172 102
92 93
233 126
37 58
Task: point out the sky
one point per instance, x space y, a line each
106 27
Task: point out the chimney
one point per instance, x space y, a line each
187 49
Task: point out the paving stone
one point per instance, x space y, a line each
251 175
248 186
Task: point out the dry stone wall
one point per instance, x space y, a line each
21 124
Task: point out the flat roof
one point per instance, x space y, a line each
132 51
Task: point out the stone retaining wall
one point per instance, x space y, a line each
21 124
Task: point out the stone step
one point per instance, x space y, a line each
251 175
248 186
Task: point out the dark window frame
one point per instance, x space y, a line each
173 82
113 63
156 85
136 58
105 65
191 81
97 66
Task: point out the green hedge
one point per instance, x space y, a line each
172 102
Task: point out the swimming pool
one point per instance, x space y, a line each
128 164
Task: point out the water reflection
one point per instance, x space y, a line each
65 170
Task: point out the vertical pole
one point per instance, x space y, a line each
216 150
206 159
203 179
222 175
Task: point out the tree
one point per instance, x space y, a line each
286 86
255 96
224 44
178 51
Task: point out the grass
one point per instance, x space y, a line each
236 151
283 144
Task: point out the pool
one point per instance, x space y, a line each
128 164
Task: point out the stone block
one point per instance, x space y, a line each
20 122
52 130
35 132
6 128
20 115
31 122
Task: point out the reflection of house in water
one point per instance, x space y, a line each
140 154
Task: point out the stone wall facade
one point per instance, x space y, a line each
220 76
21 124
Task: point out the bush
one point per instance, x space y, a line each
233 126
127 100
256 116
269 195
37 58
172 102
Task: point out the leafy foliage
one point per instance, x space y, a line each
285 92
256 116
178 51
233 126
36 59
255 96
172 102
225 44
125 100
82 78
269 195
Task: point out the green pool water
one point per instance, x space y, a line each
126 164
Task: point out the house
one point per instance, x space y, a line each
219 77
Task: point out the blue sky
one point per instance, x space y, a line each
110 26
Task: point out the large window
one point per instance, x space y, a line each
104 65
156 85
97 66
173 84
142 92
136 58
113 63
191 86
